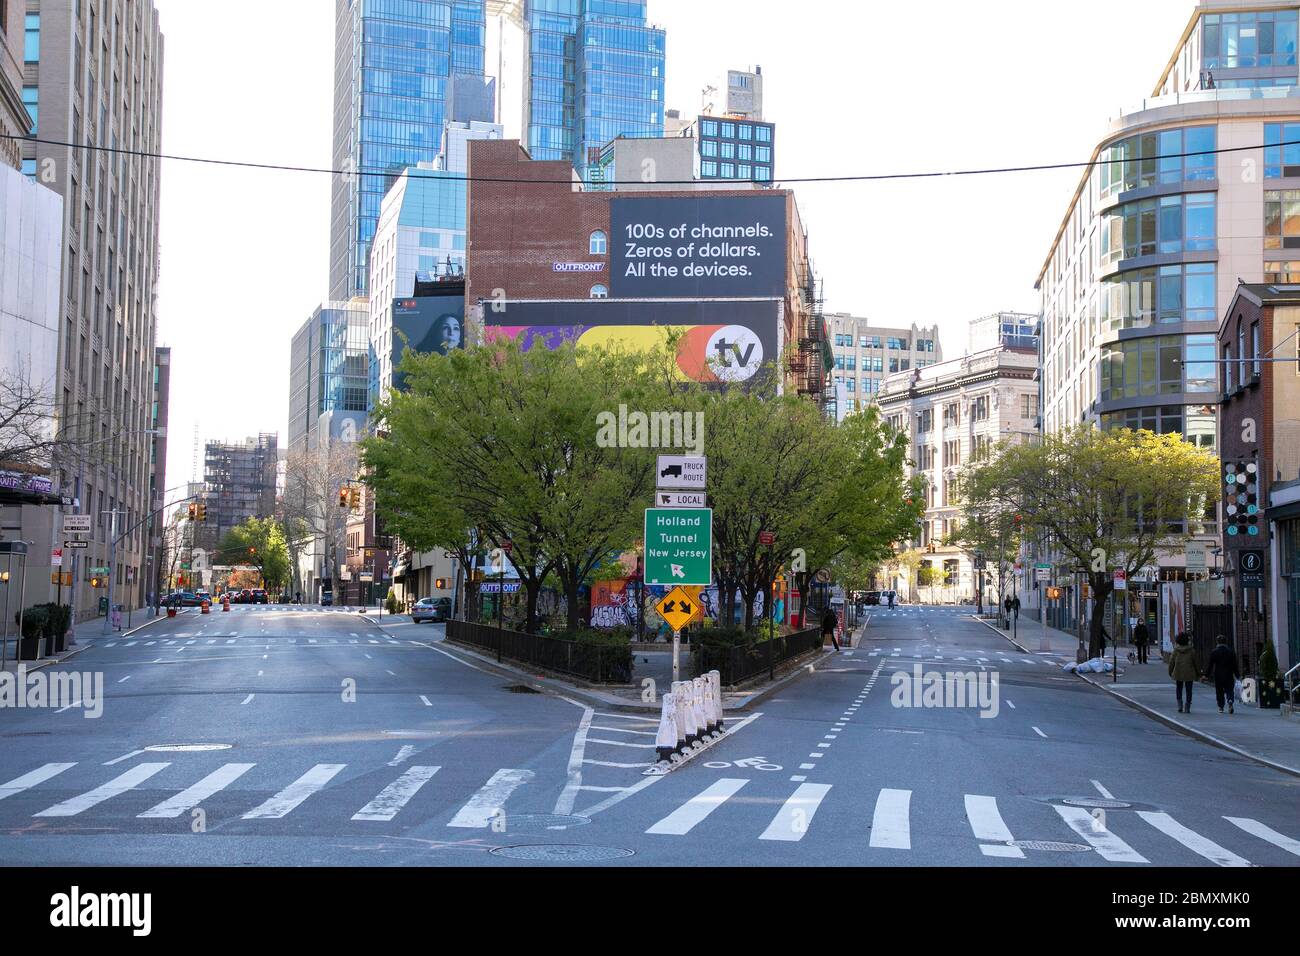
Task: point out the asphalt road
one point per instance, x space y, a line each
346 743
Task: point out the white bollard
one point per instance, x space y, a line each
710 711
697 707
715 678
685 720
666 740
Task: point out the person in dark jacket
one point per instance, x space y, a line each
1183 669
1104 638
1222 669
830 621
1141 638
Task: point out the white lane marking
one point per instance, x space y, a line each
396 795
75 703
130 643
248 699
126 756
426 701
192 796
265 656
125 679
619 743
807 766
1109 846
111 644
491 798
1192 840
1255 828
890 824
1040 733
119 784
1011 705
32 778
1102 790
390 673
259 673
986 823
150 643
624 730
573 782
294 794
684 818
796 814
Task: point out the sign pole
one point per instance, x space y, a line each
677 655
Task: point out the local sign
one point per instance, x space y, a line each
679 546
79 524
681 471
680 499
678 608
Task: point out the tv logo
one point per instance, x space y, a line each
734 353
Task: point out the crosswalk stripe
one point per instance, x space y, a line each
119 784
1107 844
298 791
1255 828
796 814
480 808
986 823
1191 839
396 795
31 779
191 797
890 824
681 820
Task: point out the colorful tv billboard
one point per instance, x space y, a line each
722 342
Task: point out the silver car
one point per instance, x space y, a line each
431 609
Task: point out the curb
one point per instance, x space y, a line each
1190 731
47 661
1002 633
155 620
594 698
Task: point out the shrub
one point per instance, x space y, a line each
35 621
390 602
723 636
1268 663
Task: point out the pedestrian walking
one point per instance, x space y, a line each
1141 638
829 622
1006 605
1222 669
1184 671
1104 638
1015 606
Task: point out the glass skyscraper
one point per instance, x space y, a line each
595 71
401 68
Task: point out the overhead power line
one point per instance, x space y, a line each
861 177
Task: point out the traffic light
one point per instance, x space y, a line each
202 512
194 511
354 499
343 497
440 584
98 582
1241 498
252 551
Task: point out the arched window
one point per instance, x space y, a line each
599 243
599 292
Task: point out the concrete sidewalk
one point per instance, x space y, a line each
1265 736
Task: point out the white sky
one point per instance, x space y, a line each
854 86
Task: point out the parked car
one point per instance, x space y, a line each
327 599
871 597
181 599
259 595
246 596
431 609
203 595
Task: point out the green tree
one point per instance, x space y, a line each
259 543
1104 500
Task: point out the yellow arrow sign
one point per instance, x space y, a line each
678 608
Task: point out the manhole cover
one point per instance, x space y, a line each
562 853
1097 802
188 748
521 689
1051 846
544 821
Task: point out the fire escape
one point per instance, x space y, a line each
811 360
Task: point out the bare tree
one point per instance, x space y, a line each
27 435
309 508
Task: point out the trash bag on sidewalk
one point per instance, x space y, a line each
1097 665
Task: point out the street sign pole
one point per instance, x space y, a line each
677 656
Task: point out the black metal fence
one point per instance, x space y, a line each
740 662
598 663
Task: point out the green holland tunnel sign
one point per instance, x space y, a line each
679 546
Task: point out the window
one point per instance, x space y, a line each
708 147
896 343
763 154
763 174
710 128
1167 224
746 131
598 243
1248 39
31 100
1028 406
29 168
744 171
728 170
728 150
744 151
851 384
924 421
979 409
763 134
1281 150
1160 365
1168 294
709 169
728 130
951 452
32 38
950 415
1254 349
1282 219
599 292
1156 158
